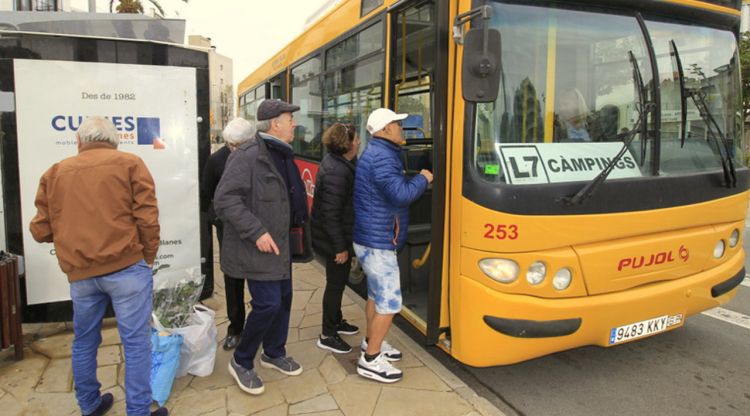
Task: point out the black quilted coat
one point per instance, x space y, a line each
332 210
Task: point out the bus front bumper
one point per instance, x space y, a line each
522 328
496 328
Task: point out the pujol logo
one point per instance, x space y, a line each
654 259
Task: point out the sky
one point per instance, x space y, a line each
248 31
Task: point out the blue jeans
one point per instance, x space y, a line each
268 321
130 291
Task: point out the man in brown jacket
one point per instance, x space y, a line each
99 209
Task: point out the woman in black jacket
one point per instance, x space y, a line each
332 223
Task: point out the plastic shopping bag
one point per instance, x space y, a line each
165 359
198 351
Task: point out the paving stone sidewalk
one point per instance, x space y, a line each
42 383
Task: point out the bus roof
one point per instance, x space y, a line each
342 15
338 20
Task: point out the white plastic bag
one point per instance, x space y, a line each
198 351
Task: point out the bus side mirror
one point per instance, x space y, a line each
481 65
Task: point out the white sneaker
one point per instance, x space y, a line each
379 369
387 350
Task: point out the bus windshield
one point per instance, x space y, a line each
575 83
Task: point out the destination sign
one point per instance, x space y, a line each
535 163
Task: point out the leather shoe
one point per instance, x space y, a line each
104 406
162 411
231 342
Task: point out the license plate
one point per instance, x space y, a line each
643 328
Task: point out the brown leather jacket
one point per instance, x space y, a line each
99 209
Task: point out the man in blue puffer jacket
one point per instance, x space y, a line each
382 195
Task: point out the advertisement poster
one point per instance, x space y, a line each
154 111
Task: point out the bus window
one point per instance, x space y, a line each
276 85
567 88
709 63
352 85
370 5
414 61
242 104
249 102
306 94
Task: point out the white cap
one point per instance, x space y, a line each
380 118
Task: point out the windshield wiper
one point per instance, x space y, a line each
677 67
723 148
640 126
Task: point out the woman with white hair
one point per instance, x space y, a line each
237 132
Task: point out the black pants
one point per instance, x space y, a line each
336 277
234 290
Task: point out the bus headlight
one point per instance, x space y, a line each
719 249
562 278
502 270
536 273
734 238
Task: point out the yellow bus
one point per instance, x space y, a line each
589 185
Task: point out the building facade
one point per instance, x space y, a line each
221 93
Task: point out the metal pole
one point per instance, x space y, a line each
92 6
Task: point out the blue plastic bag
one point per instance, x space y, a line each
165 359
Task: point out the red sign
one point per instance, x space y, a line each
309 173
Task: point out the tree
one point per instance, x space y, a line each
134 6
131 6
745 74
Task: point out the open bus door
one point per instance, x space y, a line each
418 65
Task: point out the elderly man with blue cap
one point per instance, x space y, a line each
260 198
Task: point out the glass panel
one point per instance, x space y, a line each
106 51
414 63
356 46
370 5
566 92
251 101
127 52
276 90
306 94
709 63
306 70
352 92
49 48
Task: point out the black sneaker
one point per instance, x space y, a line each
335 344
345 328
104 406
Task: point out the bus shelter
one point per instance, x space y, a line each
156 95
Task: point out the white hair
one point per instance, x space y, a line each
263 125
238 131
98 129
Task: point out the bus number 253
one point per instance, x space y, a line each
501 231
